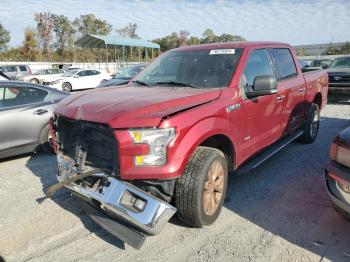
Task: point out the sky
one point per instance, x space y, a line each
295 22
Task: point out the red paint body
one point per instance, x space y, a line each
198 114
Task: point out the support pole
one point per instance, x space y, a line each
124 55
107 58
139 54
131 53
152 54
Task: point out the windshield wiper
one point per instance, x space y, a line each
174 83
140 83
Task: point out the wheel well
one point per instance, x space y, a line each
224 144
318 100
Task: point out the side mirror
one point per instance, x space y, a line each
325 66
263 85
76 76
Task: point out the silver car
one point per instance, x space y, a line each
16 72
25 110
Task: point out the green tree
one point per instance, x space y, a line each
44 30
209 37
128 31
182 37
90 24
64 33
193 40
4 37
29 49
230 38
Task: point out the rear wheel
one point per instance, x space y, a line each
200 191
46 140
67 87
311 125
34 81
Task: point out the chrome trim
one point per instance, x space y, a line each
151 220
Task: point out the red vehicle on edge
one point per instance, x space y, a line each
165 143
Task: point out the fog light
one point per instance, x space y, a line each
139 204
133 202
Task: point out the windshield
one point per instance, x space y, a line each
340 63
319 63
70 73
40 72
130 72
196 68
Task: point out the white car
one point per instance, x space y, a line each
42 75
77 79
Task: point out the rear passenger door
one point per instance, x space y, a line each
292 84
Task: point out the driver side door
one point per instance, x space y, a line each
262 118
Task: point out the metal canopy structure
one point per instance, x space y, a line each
101 41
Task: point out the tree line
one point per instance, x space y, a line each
53 37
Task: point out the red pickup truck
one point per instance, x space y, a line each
165 143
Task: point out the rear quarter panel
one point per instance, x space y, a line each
317 82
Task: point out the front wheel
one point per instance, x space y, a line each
311 125
201 190
67 87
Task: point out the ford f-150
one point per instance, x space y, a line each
165 143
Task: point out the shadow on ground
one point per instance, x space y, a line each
285 196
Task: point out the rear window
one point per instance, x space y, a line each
23 68
285 63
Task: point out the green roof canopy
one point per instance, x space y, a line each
101 41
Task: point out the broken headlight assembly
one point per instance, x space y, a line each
157 140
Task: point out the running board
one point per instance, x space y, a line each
266 154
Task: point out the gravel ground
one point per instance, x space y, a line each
280 212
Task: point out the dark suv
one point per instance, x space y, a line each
339 75
16 72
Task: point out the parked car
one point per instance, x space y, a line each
77 79
338 173
165 143
16 72
320 63
124 77
43 74
25 110
303 64
339 76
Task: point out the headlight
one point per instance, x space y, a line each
157 140
55 82
340 154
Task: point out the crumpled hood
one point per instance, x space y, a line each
127 106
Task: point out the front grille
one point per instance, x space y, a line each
339 78
92 142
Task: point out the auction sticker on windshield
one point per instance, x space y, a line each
222 51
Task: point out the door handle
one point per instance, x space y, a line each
40 112
280 98
301 89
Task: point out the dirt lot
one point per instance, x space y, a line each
280 212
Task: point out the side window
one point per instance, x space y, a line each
13 96
37 95
285 63
258 64
83 73
22 68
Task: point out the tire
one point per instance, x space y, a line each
34 81
311 125
45 142
193 189
342 212
67 87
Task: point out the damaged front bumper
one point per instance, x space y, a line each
120 200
